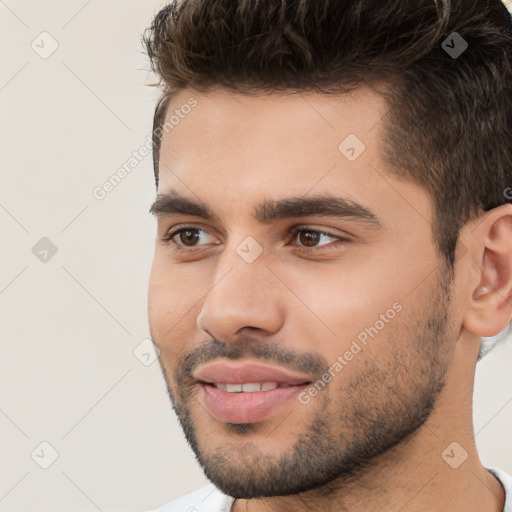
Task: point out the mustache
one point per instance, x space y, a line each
246 347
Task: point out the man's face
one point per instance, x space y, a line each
338 324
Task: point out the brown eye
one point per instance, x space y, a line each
188 236
314 240
309 238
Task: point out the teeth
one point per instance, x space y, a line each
249 387
234 388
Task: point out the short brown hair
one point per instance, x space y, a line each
449 123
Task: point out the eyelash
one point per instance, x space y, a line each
168 239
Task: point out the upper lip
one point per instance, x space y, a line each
230 372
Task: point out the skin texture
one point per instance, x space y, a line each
373 439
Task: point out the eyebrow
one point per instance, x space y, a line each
172 202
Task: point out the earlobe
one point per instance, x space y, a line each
490 303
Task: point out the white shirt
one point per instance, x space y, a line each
210 499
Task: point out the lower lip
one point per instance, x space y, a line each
246 407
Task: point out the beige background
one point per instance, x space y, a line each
69 325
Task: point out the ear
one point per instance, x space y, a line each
489 295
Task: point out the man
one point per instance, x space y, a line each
334 240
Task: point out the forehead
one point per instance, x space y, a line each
359 109
220 99
246 138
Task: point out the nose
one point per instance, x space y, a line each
242 295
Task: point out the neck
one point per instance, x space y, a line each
434 470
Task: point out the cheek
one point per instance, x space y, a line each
170 284
157 293
169 307
355 300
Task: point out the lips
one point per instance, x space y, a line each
243 372
246 392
